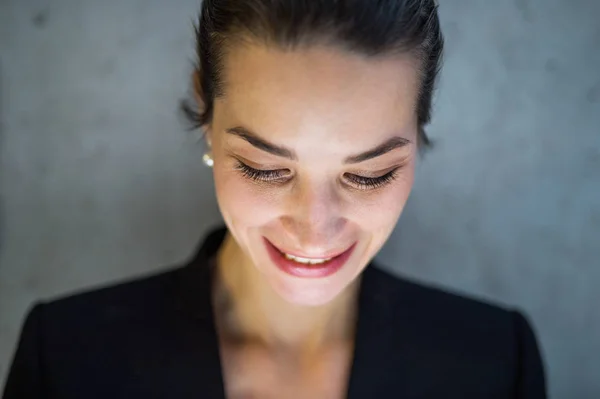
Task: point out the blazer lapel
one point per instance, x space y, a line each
202 377
376 369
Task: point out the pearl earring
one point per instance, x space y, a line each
208 161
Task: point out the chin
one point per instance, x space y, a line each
307 292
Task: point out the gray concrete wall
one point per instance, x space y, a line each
98 180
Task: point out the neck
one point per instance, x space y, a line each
247 307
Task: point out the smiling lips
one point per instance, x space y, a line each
307 267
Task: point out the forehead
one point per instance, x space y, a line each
319 91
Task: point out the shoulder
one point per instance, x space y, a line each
103 323
132 312
112 301
456 335
69 339
436 304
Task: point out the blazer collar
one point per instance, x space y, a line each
194 280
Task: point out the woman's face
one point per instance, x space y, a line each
314 155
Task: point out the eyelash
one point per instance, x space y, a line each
280 176
268 176
369 183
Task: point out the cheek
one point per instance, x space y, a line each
382 209
376 217
243 203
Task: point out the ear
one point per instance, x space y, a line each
198 96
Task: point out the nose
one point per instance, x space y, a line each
314 218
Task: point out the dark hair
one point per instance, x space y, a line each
369 27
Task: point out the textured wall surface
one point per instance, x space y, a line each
99 181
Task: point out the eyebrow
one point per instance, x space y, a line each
383 148
262 144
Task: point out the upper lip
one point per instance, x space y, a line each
299 254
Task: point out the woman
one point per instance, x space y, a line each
314 113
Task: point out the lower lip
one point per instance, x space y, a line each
312 271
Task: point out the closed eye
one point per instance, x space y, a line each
283 175
368 183
258 175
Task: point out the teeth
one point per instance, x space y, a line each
306 261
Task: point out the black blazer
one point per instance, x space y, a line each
155 338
